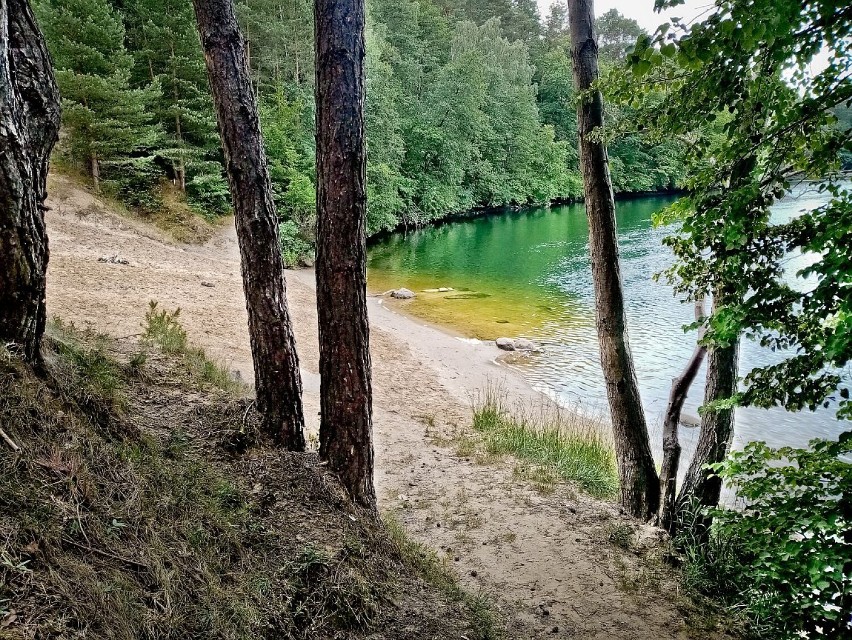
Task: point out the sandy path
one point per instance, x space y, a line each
544 560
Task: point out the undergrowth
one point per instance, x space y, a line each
163 329
124 515
574 449
780 564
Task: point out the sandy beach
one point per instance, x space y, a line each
544 560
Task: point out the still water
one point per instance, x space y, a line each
527 274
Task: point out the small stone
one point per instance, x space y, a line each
506 344
456 558
473 574
205 283
554 630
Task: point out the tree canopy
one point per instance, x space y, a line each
469 105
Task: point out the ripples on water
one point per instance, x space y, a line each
533 272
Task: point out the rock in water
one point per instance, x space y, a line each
506 344
402 294
690 421
522 344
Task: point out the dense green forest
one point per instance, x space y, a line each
469 104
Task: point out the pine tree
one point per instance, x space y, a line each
107 119
166 49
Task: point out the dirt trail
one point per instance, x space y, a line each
545 560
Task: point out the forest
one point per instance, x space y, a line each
198 442
470 105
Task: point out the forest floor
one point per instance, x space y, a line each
555 563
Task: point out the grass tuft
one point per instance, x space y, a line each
575 449
163 329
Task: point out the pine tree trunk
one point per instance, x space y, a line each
95 169
671 422
700 487
346 394
276 365
29 127
640 490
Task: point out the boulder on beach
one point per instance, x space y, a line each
522 344
402 294
506 344
516 344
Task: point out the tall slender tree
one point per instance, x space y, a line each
346 438
105 119
276 365
639 481
29 127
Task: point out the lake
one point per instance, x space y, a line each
527 274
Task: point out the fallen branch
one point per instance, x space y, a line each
9 441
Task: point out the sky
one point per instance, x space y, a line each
641 10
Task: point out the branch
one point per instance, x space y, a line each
9 440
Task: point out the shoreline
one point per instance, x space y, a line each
465 365
523 549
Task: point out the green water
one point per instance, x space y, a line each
527 274
507 270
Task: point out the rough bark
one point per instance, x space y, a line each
29 127
671 422
640 491
276 365
700 487
346 393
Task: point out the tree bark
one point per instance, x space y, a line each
96 172
346 393
640 490
671 422
702 488
276 364
29 127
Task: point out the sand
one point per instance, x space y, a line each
544 560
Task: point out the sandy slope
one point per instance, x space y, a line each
544 560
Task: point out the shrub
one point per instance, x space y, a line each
785 558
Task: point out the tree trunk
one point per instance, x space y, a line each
640 490
96 172
346 394
180 165
276 365
29 127
671 422
700 487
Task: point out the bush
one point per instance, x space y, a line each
295 248
786 557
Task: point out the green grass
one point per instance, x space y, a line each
573 448
86 365
163 329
